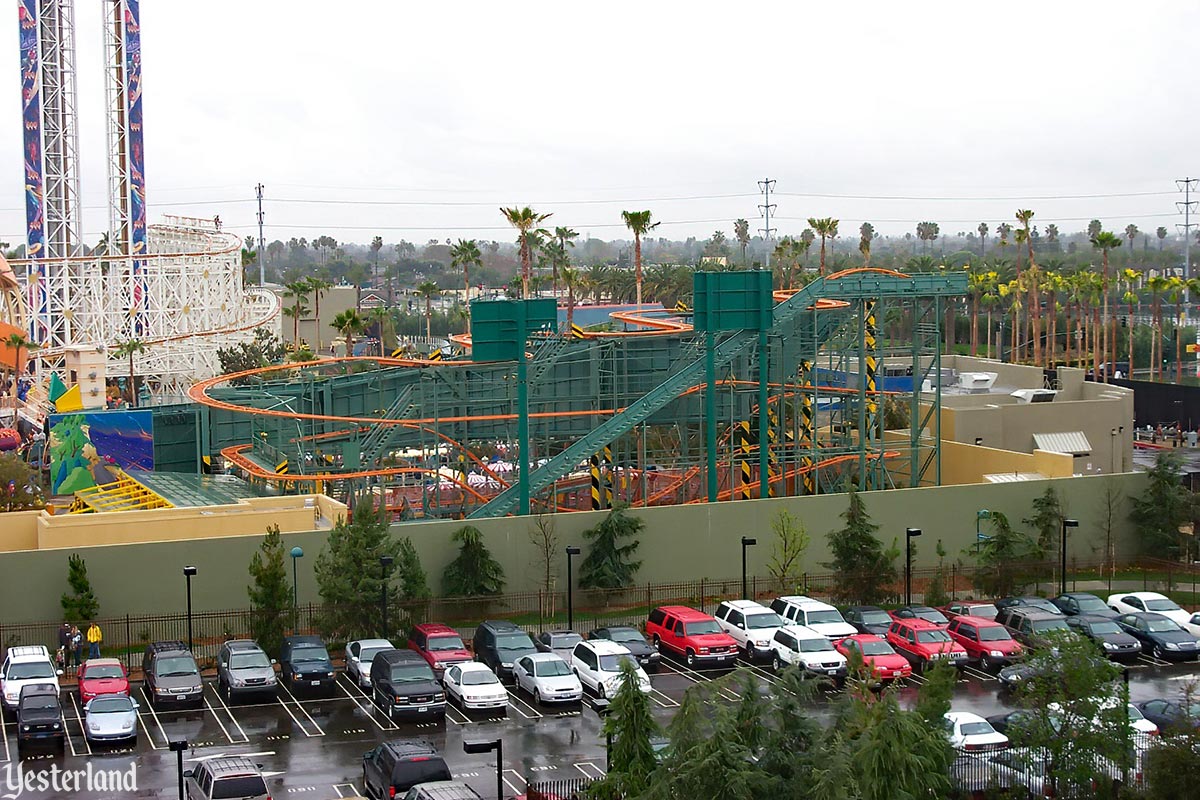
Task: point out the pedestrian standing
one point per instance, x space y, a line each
77 645
94 636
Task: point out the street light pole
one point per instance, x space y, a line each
188 572
385 562
178 746
297 554
571 551
487 746
747 541
1062 577
909 535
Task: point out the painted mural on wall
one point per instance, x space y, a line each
86 448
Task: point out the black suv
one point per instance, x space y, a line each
395 767
171 675
499 643
304 664
1033 627
39 717
403 685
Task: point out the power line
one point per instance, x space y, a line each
974 199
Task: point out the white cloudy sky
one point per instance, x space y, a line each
430 115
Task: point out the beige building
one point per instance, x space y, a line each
334 301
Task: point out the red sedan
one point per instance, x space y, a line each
885 663
102 676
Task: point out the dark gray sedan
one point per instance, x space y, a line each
1160 636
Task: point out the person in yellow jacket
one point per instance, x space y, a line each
94 637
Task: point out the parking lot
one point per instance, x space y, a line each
312 746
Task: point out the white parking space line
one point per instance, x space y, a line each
229 712
978 674
82 729
370 711
4 735
224 730
300 708
665 702
1152 661
697 677
453 715
589 770
153 715
337 787
515 789
516 702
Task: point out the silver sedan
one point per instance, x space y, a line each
111 718
548 678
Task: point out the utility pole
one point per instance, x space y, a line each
1187 186
262 243
765 208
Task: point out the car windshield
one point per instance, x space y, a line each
699 628
367 654
1161 605
997 634
929 637
986 611
625 635
518 642
39 702
612 663
1048 625
1089 604
563 640
176 667
96 673
876 618
239 786
411 673
35 669
820 617
438 643
815 645
931 614
478 677
756 622
877 649
1161 625
1105 628
309 653
110 704
251 660
1134 713
976 728
551 669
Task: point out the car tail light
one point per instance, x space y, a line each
391 791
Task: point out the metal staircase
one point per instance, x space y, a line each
381 437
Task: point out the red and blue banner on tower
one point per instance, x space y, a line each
136 156
31 117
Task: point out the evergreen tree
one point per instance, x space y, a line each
270 593
1164 506
998 573
862 570
631 726
474 572
1047 520
80 605
608 564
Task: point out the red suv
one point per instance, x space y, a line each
438 644
692 634
921 642
985 641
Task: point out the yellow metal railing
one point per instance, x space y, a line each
123 494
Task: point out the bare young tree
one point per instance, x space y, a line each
787 551
544 538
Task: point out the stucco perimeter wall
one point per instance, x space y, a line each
680 543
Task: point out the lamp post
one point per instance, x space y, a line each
1113 445
571 551
487 746
747 541
178 746
1062 578
297 554
188 572
385 563
909 535
980 515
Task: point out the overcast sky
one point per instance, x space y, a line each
428 116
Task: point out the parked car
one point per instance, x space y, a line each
752 625
548 678
1076 603
499 643
868 619
597 664
226 776
972 732
796 645
171 676
1172 716
813 614
392 768
440 645
927 613
244 669
1160 636
923 642
110 718
359 655
1193 624
1133 602
39 717
647 657
1111 637
1028 600
304 665
970 608
561 642
985 641
442 790
879 656
402 685
23 665
100 676
474 687
1019 718
1011 677
691 634
1032 626
1138 724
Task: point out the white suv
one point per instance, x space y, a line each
820 617
751 624
805 648
597 664
22 666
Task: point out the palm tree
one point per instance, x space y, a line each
348 323
1025 235
17 342
826 228
866 232
1161 233
1131 232
559 255
428 290
376 246
298 291
1157 285
130 348
463 256
381 318
1052 234
1105 241
573 280
528 224
1177 288
741 232
977 281
983 234
638 222
317 286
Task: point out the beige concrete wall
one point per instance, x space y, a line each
333 302
19 531
966 463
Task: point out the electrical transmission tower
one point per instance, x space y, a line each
764 209
1187 186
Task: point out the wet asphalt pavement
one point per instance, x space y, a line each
312 747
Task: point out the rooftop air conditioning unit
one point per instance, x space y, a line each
976 382
1034 395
